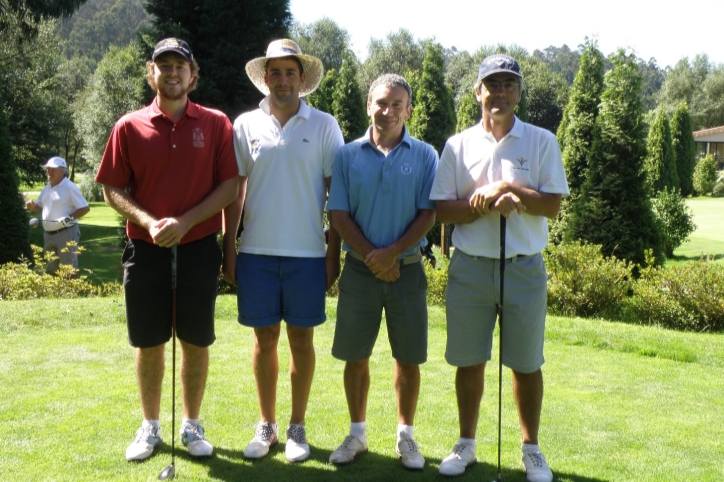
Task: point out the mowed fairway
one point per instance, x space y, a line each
623 403
708 239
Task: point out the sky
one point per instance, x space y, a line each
650 29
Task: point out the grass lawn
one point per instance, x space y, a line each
623 403
708 239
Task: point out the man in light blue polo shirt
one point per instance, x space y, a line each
381 207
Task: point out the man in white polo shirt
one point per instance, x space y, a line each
500 167
285 151
62 205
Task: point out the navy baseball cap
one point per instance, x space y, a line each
173 45
497 63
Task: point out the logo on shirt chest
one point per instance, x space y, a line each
255 145
197 134
406 168
521 163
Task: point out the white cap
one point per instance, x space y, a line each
56 162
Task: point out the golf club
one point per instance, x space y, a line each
170 471
500 338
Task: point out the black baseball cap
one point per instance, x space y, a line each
173 45
497 63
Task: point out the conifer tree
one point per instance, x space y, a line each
660 162
14 241
614 209
470 112
321 99
348 104
433 114
575 133
682 142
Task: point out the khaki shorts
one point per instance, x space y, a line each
473 294
362 297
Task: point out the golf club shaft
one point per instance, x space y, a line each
500 338
174 266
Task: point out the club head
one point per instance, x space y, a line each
34 223
167 473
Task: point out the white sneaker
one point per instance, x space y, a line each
536 467
351 447
192 436
297 449
461 457
147 438
409 453
265 437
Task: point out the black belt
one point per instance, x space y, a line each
411 259
59 230
511 258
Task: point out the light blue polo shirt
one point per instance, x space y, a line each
383 194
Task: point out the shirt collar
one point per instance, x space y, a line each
303 112
406 139
192 110
515 131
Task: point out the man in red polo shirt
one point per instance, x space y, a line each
170 169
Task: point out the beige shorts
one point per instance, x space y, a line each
473 295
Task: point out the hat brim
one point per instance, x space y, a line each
313 72
498 71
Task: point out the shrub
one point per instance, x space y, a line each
585 283
688 297
91 190
675 218
436 279
718 190
28 280
705 175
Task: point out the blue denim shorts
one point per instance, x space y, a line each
275 288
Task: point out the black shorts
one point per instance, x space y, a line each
147 284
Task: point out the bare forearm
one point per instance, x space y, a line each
350 232
456 212
418 228
79 213
537 203
126 206
222 196
334 243
232 216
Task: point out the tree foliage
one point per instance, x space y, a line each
705 175
546 94
398 54
321 98
27 14
14 241
470 112
562 60
323 39
433 114
118 86
675 218
660 162
576 130
224 35
348 103
614 209
684 147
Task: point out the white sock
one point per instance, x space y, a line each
190 421
530 448
148 423
409 429
467 441
358 429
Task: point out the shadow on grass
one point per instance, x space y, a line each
230 465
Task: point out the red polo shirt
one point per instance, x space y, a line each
169 167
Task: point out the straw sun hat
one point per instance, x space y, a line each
313 69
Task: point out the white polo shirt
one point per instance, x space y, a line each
286 169
58 202
527 156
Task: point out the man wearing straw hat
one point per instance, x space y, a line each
285 151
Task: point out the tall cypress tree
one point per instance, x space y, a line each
224 35
614 209
348 104
469 113
660 162
684 147
433 114
321 99
14 240
575 133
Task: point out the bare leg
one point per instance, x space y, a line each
469 389
194 369
149 376
356 387
266 370
301 369
528 391
407 386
